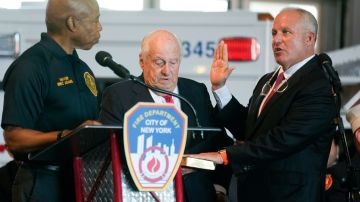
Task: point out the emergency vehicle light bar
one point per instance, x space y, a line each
242 48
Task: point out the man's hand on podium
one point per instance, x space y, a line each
90 123
66 132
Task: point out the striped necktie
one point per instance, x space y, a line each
277 83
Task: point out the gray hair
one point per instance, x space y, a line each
309 20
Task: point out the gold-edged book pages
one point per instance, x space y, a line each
197 163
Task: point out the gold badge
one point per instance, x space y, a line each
63 81
90 83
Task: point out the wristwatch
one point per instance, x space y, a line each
60 135
224 156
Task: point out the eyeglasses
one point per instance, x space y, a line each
160 62
267 87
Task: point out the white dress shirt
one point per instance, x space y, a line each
160 99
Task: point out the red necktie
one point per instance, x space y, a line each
277 83
168 99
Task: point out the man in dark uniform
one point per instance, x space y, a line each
49 90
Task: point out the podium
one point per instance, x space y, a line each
100 170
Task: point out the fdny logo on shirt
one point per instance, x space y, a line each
90 83
64 81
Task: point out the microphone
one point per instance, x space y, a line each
332 73
105 59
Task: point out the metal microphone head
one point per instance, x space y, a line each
325 59
103 57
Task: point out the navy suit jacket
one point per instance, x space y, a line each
120 97
287 146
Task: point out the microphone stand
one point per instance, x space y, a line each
137 80
352 172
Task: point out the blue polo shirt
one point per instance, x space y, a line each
47 89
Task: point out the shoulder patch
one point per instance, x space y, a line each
90 83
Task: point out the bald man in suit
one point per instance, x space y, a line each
288 125
159 59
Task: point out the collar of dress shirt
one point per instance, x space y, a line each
160 99
223 95
291 70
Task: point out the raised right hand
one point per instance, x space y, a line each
220 69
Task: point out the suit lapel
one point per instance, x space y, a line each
186 93
255 103
141 94
293 83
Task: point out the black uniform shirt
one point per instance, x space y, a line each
47 89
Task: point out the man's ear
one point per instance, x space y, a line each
71 23
141 61
357 135
310 38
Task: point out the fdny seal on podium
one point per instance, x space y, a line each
154 143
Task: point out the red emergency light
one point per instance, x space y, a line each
242 48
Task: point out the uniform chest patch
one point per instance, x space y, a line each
90 83
62 81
